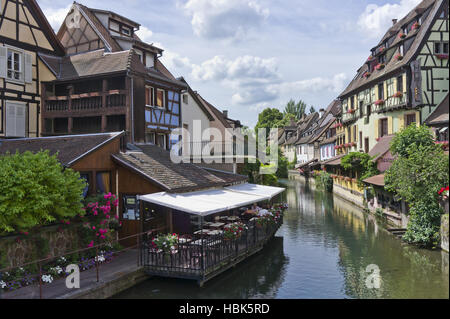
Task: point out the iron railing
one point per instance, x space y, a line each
203 257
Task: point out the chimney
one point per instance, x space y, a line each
394 21
225 113
321 113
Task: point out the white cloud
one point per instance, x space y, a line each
318 84
56 16
244 68
145 34
375 20
225 19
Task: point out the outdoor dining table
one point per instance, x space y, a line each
216 225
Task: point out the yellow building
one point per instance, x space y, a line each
404 79
25 34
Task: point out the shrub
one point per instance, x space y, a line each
325 181
36 190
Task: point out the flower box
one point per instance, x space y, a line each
398 94
379 102
379 66
354 144
402 35
348 179
347 145
399 57
351 111
381 49
442 56
83 95
94 94
415 26
341 177
370 58
367 74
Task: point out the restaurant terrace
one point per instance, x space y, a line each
210 230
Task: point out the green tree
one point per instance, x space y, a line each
297 109
286 121
417 174
268 119
36 190
361 163
411 137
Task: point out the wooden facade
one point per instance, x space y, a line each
24 34
144 99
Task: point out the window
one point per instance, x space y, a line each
87 178
366 145
390 87
352 103
150 138
441 47
401 49
360 140
149 96
380 91
354 133
15 119
125 30
369 110
160 98
400 84
121 28
410 118
173 102
161 141
103 181
14 65
382 58
383 130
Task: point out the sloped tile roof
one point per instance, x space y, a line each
155 164
377 180
382 147
440 114
68 148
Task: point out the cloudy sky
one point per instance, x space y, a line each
245 55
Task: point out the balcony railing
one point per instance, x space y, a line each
86 101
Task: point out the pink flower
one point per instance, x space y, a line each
91 244
93 227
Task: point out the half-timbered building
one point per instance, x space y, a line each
110 80
402 82
24 34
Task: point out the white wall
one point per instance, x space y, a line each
192 111
323 151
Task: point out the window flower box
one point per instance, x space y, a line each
348 179
347 145
398 57
398 94
351 111
379 102
379 66
354 144
370 58
442 56
415 26
402 35
94 94
367 74
354 180
381 49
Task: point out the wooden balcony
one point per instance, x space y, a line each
87 104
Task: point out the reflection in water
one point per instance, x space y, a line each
321 251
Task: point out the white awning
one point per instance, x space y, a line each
213 201
259 190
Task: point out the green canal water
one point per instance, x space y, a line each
321 251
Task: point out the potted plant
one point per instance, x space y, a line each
442 56
351 111
398 94
401 35
234 231
398 57
166 243
379 102
353 144
367 74
415 26
379 66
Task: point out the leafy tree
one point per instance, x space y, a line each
286 121
418 173
36 190
361 163
283 164
421 173
411 137
268 119
297 109
325 182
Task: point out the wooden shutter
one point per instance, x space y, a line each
3 61
20 120
15 120
390 125
28 68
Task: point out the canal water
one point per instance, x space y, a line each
323 250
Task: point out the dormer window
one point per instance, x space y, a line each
120 28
